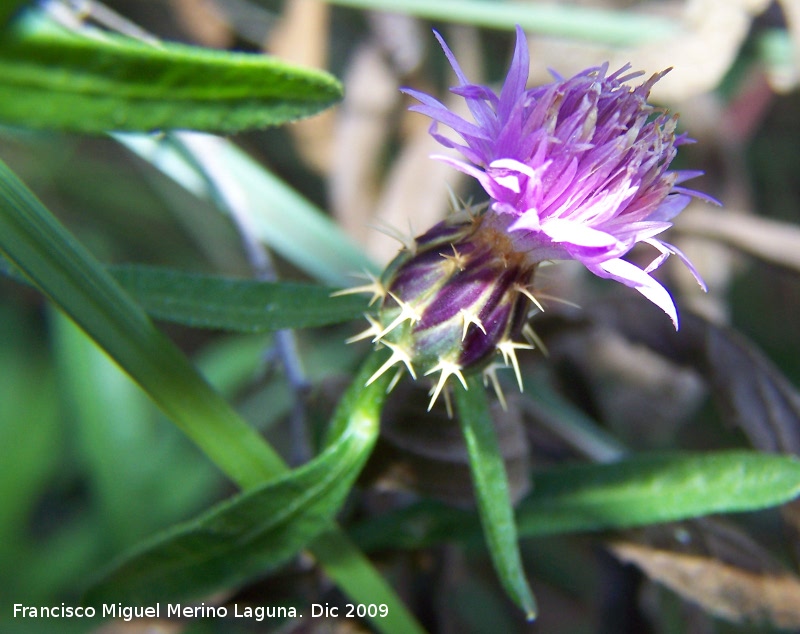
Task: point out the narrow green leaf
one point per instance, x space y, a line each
491 488
619 28
649 489
53 79
637 491
259 529
228 303
235 304
419 525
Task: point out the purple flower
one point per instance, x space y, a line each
576 169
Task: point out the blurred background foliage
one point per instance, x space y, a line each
89 467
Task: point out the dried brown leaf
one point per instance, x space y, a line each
769 240
642 396
403 37
753 392
204 21
301 36
711 34
363 130
414 194
725 590
791 515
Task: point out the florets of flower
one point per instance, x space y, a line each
576 169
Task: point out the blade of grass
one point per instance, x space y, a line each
228 303
34 241
618 28
491 488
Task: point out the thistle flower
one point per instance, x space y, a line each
576 169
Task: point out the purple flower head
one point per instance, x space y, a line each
576 169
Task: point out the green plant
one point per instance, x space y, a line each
156 497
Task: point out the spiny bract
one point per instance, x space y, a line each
455 300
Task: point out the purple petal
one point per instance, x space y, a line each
634 277
670 207
451 120
480 110
578 234
517 77
682 256
696 194
451 58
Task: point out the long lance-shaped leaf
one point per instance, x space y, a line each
491 488
259 529
235 304
228 303
636 491
57 80
650 489
36 244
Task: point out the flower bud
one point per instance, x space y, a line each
451 301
